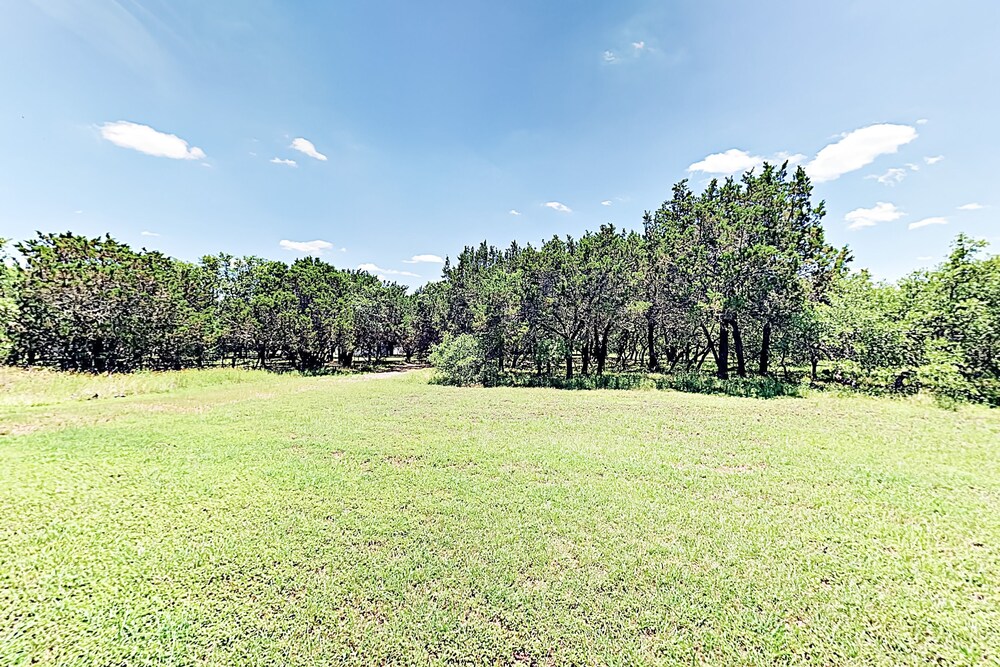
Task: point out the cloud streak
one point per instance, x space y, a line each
557 206
890 177
317 247
858 149
379 271
424 259
927 222
145 139
860 218
287 163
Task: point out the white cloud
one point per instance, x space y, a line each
858 149
78 212
371 268
882 211
306 146
890 177
146 233
606 202
728 162
791 158
927 222
921 121
428 259
609 56
933 160
514 211
316 247
146 140
558 206
288 163
639 46
973 206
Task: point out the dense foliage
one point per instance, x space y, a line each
737 279
97 305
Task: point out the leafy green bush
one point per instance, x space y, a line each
698 383
580 382
460 360
941 375
750 387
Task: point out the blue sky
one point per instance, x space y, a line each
393 133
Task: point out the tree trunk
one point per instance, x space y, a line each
602 350
569 364
722 359
711 345
585 369
654 363
765 349
701 360
741 365
99 362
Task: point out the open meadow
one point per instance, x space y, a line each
240 518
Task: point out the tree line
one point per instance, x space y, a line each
737 280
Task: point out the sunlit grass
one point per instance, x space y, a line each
20 387
311 521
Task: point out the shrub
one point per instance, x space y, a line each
941 376
460 360
750 387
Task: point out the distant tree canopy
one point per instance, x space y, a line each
738 279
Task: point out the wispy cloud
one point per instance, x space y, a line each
926 222
148 233
882 211
305 146
424 259
922 121
606 202
858 149
78 212
514 211
890 177
146 140
972 206
557 206
933 160
629 52
115 29
372 268
287 163
317 247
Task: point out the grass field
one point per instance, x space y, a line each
260 520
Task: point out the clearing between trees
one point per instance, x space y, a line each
231 517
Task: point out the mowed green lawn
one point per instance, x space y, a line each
315 521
